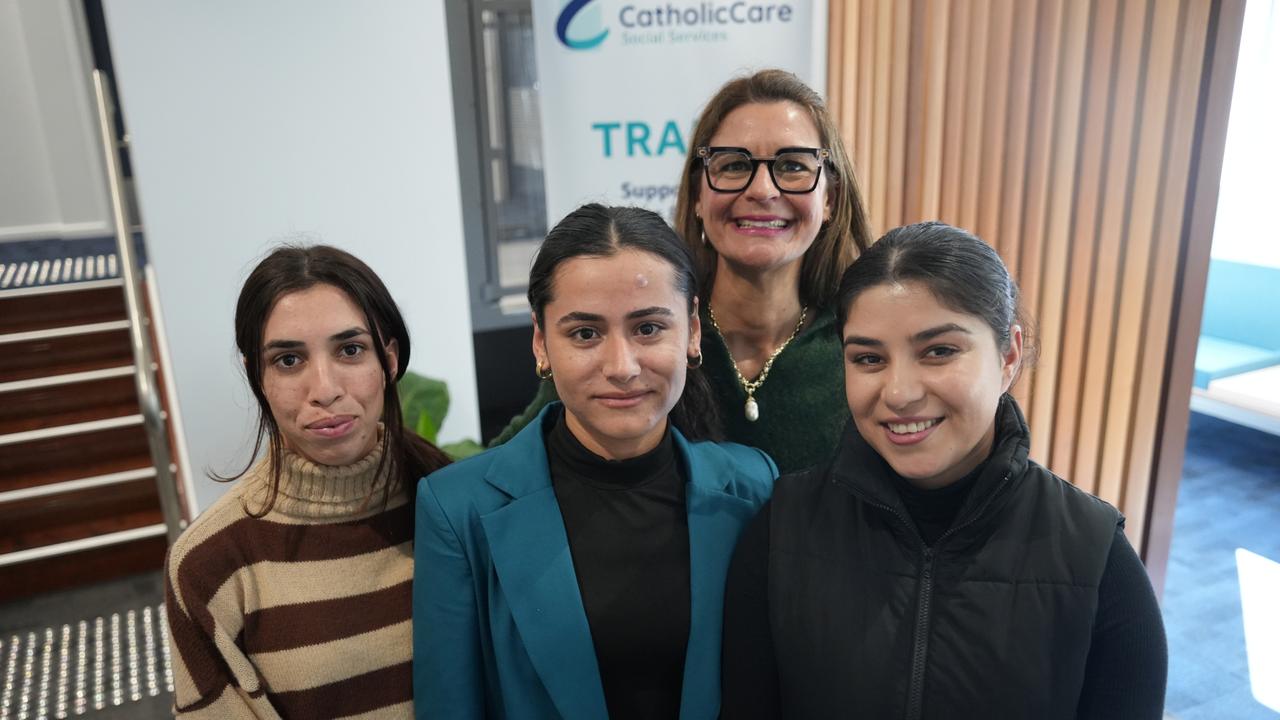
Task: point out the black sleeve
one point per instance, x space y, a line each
749 680
1128 658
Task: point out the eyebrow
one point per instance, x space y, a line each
921 336
592 317
336 337
934 332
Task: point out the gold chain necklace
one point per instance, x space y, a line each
752 408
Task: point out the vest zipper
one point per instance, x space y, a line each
920 649
924 602
924 599
924 606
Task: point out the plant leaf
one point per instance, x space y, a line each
426 428
424 402
462 449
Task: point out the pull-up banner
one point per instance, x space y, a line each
623 81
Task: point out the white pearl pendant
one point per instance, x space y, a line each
752 409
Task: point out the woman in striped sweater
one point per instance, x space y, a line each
290 596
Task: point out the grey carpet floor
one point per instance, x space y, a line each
1229 498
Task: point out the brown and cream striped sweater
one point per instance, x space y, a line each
303 613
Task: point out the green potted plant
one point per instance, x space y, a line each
425 402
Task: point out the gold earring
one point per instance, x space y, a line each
695 361
543 372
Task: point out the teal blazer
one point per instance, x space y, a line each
499 629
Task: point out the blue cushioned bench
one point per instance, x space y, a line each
1240 330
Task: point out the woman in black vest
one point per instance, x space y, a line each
932 570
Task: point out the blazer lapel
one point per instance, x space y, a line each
530 554
715 520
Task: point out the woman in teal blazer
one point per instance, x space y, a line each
556 574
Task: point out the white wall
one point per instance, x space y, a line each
1245 230
52 185
254 121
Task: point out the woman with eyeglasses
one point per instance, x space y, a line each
770 209
578 570
931 569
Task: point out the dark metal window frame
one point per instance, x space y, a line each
464 27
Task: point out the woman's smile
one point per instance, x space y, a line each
762 225
907 431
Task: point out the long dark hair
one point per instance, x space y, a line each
601 231
293 268
963 273
839 240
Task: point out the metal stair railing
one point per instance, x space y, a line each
153 414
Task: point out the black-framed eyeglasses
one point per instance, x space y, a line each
794 170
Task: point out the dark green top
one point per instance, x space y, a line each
802 403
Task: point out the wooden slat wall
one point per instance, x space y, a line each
1064 133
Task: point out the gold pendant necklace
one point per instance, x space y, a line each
752 408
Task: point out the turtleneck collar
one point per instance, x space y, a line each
578 460
322 492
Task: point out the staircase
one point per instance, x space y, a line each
79 499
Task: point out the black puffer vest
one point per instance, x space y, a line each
993 621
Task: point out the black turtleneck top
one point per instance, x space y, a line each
933 511
629 537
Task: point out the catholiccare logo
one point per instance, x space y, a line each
588 23
580 25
